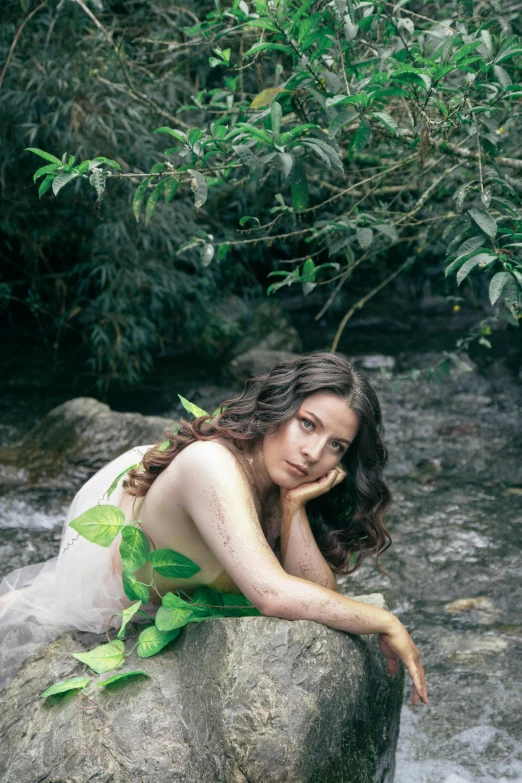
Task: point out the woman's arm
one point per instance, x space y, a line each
300 554
214 491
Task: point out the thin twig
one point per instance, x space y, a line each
362 302
15 39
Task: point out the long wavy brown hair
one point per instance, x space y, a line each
347 522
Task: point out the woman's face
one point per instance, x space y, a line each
312 442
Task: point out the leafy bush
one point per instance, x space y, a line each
329 132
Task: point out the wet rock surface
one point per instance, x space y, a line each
253 699
74 440
455 469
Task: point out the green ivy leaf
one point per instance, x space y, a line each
173 564
173 613
105 657
191 408
127 615
122 676
151 641
164 445
134 548
237 605
206 602
100 524
74 684
133 589
471 263
361 138
119 476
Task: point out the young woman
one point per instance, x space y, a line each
271 498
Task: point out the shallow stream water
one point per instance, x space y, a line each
455 469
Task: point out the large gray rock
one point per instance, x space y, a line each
257 362
77 438
250 700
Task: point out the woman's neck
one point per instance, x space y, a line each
266 488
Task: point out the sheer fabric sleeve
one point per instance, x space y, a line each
78 589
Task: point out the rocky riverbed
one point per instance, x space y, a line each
455 469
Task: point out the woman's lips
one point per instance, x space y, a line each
296 470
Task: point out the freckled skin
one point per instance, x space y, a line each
220 507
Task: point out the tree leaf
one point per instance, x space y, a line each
173 613
151 641
170 188
133 589
108 162
342 119
265 24
299 186
276 115
269 47
119 476
152 201
256 133
198 184
387 121
190 407
364 237
45 170
63 179
502 75
179 135
473 243
470 264
388 230
497 284
206 253
484 221
173 564
100 524
45 155
127 614
134 548
139 196
122 676
287 163
361 138
45 185
73 684
105 657
265 97
97 180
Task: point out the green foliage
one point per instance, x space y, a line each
353 117
119 677
134 548
104 657
100 524
73 684
172 564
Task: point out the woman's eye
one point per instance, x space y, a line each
337 446
307 424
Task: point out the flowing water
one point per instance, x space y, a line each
456 472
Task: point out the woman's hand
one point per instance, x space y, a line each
298 497
398 644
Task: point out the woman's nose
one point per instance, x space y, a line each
312 452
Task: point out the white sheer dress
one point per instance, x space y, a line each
78 589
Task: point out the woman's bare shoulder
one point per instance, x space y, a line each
207 456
